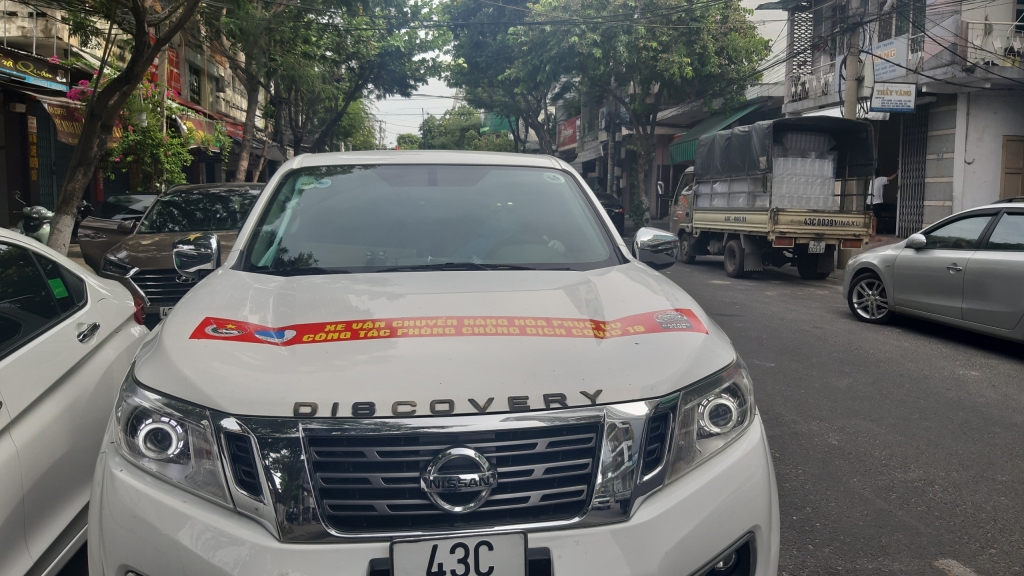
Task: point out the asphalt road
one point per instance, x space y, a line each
898 449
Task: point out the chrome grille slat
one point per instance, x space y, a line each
161 287
371 483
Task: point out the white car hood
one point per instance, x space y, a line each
253 344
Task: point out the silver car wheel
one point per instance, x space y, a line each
870 299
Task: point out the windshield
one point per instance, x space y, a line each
200 210
339 219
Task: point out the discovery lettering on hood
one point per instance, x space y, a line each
656 322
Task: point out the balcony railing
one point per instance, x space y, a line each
992 43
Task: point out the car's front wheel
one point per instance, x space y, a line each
869 299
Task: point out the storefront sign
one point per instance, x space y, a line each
34 70
890 58
888 97
69 118
568 133
595 151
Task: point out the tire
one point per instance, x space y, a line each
807 266
734 259
685 253
869 300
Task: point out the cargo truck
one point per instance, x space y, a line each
791 191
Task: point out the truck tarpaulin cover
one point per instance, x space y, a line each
747 150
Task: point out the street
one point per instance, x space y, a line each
897 448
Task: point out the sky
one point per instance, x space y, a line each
402 115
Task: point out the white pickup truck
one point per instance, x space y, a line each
433 363
787 191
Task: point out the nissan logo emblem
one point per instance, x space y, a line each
437 483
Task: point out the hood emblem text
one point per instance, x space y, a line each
446 406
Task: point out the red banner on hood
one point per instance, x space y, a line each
658 322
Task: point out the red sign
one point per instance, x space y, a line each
568 133
659 322
173 71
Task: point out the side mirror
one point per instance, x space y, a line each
127 225
656 248
916 241
197 255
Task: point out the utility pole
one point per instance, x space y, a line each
852 62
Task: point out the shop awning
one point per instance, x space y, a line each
780 5
69 118
685 147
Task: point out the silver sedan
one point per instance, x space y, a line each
966 270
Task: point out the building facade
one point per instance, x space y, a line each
958 142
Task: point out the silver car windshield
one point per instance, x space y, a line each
351 219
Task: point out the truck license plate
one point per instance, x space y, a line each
490 555
816 247
165 310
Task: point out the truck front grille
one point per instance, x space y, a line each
161 287
372 483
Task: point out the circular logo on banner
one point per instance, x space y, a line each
672 321
275 336
226 331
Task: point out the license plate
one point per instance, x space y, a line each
165 310
816 247
490 555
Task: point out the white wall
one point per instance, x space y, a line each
772 25
983 118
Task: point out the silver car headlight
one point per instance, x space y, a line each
170 439
707 417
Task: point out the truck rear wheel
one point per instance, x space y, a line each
686 254
734 259
807 266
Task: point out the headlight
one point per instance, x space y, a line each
170 439
114 264
707 417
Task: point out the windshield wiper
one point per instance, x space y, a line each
456 266
305 271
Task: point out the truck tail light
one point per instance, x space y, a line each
783 242
852 244
140 311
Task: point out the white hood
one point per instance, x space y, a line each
247 344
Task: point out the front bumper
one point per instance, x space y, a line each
138 522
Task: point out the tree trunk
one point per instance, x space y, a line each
252 103
103 112
325 132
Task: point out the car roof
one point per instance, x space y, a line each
458 157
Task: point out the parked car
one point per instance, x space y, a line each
966 270
137 252
434 362
613 207
67 339
123 207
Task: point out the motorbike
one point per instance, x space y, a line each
35 221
